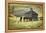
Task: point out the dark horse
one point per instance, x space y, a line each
26 18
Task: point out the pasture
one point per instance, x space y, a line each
14 25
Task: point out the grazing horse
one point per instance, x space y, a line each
17 19
27 18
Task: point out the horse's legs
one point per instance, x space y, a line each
20 18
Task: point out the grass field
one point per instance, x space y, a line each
13 25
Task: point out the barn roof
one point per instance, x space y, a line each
30 14
26 14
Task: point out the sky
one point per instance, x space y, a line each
23 8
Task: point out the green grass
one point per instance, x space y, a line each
12 24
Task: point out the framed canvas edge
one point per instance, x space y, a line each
6 17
